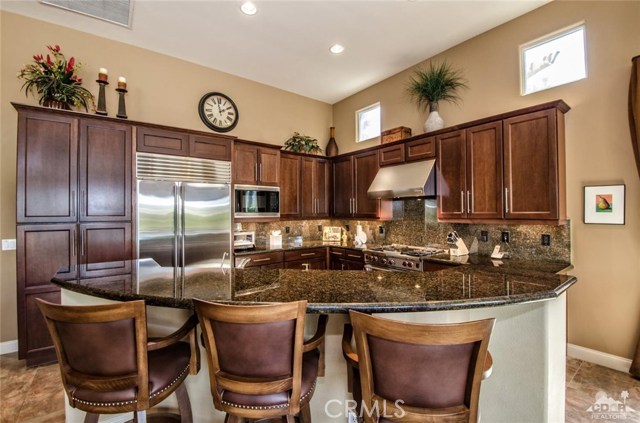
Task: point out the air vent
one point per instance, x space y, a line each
176 168
114 11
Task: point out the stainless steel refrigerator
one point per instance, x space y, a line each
184 215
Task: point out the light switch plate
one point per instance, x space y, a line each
8 244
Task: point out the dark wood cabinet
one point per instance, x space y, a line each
451 167
345 259
310 264
352 176
420 149
42 250
470 173
510 167
256 165
182 143
269 260
315 183
77 171
392 155
47 168
533 176
105 171
290 178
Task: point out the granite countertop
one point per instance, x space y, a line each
476 284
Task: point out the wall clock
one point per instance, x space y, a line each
218 112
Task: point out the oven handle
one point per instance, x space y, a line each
373 268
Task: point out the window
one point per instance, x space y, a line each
368 123
553 60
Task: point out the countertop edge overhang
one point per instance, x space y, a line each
332 307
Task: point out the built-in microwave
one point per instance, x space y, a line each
256 201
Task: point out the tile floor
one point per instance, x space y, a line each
35 395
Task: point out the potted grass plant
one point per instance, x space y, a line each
438 82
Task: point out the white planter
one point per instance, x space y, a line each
433 122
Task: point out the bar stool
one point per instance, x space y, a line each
109 366
259 365
417 372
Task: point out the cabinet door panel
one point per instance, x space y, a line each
484 171
105 171
307 187
321 183
153 140
245 164
531 166
451 166
421 149
365 169
343 187
391 155
312 264
290 195
210 147
105 249
268 168
42 251
47 168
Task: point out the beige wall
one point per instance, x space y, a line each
162 90
604 306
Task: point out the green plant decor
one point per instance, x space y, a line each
302 144
439 82
55 80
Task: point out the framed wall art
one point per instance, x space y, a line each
604 204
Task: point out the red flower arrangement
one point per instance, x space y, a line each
55 80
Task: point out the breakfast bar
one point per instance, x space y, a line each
527 298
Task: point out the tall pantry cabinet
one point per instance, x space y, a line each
74 209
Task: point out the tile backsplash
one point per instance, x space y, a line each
415 223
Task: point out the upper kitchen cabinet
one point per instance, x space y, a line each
290 176
105 171
352 176
534 163
470 173
315 187
504 168
256 164
47 188
161 140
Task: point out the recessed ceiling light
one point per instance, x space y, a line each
336 49
248 8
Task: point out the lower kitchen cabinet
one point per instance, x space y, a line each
271 260
105 249
311 264
345 259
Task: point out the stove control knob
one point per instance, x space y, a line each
375 258
391 261
384 261
409 264
404 263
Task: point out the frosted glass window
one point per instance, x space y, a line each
553 60
368 123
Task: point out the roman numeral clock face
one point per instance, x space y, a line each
218 112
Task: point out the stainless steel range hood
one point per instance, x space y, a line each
406 180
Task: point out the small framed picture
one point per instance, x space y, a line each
604 204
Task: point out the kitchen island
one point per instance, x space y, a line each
527 298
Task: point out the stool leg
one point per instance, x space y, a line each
184 405
91 418
305 414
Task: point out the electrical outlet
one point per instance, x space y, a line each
346 228
8 244
319 228
545 240
381 230
287 229
484 236
506 237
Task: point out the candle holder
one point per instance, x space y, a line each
102 103
122 111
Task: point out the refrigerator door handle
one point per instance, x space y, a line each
176 264
182 235
224 255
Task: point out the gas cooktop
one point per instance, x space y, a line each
398 257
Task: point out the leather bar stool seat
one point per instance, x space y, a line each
109 366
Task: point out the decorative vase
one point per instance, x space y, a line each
55 104
332 146
434 121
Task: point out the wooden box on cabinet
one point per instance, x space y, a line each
395 134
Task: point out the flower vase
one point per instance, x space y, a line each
55 104
332 146
434 121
